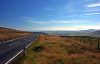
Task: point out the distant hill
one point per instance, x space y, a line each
95 33
90 32
7 33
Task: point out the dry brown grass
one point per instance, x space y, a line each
58 50
6 34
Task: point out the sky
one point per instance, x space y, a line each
47 15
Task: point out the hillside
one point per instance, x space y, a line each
6 33
50 49
90 32
68 33
96 33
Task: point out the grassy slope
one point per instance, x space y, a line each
92 41
57 50
6 33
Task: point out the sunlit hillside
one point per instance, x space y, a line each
6 33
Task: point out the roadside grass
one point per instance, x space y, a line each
82 60
92 41
45 51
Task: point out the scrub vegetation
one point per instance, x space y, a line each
50 49
7 34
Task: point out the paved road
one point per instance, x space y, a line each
10 48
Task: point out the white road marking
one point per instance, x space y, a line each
19 52
30 44
14 57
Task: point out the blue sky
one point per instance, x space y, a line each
50 14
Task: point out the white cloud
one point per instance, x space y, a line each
37 22
94 5
75 28
92 14
72 21
56 22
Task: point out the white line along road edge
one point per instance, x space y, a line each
14 57
19 52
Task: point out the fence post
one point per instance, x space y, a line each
24 49
98 44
